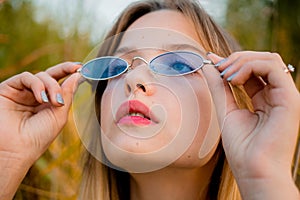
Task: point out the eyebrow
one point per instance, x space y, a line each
177 47
173 47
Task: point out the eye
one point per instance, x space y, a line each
180 67
176 63
116 67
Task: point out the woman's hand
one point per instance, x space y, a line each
259 145
33 110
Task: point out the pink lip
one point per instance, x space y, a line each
134 106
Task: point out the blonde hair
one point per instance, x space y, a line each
102 182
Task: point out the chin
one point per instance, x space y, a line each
189 161
133 162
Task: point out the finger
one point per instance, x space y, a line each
253 85
24 88
64 69
241 56
280 90
271 70
53 88
268 69
229 66
59 114
217 60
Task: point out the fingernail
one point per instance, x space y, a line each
232 76
44 97
221 62
59 99
224 72
78 63
209 53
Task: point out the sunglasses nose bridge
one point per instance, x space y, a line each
130 66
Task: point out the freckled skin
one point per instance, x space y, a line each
184 102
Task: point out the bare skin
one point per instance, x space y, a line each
259 146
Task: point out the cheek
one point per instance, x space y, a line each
196 108
113 92
106 112
204 140
190 118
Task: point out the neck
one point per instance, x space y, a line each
172 183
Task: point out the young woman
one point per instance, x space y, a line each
161 107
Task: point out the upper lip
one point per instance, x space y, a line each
134 106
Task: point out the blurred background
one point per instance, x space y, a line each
37 34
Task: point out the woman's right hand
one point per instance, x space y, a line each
33 110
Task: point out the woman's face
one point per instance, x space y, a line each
150 121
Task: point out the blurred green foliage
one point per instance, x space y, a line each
267 25
26 45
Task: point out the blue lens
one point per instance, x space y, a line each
104 68
176 63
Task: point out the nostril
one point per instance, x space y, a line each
128 88
141 86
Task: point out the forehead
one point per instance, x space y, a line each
165 30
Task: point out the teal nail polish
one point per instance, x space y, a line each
221 62
224 72
232 76
59 99
44 97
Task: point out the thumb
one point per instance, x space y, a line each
220 91
69 87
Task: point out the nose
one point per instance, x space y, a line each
139 78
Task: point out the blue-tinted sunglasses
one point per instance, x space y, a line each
176 63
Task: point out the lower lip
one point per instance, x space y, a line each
134 120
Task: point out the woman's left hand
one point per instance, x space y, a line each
259 145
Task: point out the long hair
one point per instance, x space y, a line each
102 182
